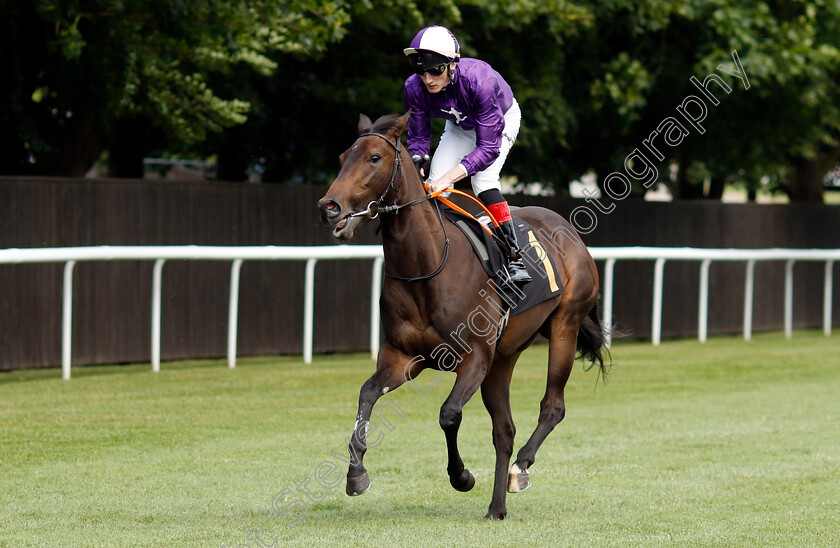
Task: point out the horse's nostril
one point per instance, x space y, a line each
329 209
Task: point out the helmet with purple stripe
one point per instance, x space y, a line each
435 39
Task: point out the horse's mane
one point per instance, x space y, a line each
384 123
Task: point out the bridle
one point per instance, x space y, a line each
395 172
396 176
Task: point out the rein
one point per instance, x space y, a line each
395 207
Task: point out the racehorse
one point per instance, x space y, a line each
432 284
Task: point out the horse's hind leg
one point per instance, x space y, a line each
561 356
495 391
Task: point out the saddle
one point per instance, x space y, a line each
545 283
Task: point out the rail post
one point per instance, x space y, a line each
233 312
308 309
157 283
67 320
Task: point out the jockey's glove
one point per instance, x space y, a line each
422 165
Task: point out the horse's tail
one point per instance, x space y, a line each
591 343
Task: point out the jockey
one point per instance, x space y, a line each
482 122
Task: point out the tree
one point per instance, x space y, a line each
594 79
636 62
789 122
365 72
286 81
81 75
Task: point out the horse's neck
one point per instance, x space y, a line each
412 239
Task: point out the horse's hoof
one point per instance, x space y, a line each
518 480
358 485
495 516
464 482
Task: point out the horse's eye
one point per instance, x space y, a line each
375 159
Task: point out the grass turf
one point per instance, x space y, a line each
725 443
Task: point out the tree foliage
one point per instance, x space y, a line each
83 73
286 81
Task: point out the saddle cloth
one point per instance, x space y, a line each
545 283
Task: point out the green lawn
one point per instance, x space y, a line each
719 444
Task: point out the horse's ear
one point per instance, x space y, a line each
364 123
402 122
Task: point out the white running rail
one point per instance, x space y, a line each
312 254
706 257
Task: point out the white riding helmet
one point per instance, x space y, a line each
435 39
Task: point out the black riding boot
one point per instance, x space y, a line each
516 268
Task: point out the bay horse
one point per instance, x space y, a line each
432 283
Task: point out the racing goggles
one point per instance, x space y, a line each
434 71
422 63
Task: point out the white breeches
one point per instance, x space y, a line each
455 143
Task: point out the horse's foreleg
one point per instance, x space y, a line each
389 375
561 357
469 377
495 392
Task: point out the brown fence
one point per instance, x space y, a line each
112 301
